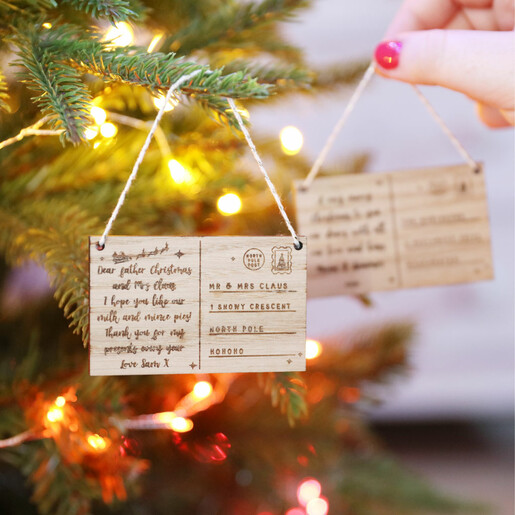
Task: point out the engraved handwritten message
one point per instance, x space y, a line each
388 231
166 305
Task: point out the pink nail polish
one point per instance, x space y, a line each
387 54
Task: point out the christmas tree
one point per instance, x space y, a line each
79 87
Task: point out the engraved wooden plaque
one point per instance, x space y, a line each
169 305
389 231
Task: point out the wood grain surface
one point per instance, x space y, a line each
386 231
167 305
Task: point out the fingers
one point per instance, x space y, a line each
478 64
434 14
493 117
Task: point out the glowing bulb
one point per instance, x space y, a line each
229 204
160 100
120 34
97 442
165 417
55 414
179 174
317 507
291 140
96 144
154 42
98 114
47 25
202 390
307 490
313 349
60 401
91 132
108 130
181 425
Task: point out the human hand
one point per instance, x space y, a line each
464 45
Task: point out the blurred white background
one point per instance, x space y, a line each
463 356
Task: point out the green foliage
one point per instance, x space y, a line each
381 486
112 10
287 391
61 92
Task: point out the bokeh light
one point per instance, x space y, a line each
159 101
47 25
291 140
318 506
119 34
91 132
178 173
313 349
307 490
154 42
229 204
295 511
181 425
98 114
108 130
55 414
165 417
202 389
60 401
96 442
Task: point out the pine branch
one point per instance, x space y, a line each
61 90
230 19
4 106
53 235
288 392
113 10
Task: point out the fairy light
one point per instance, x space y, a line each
181 425
119 34
202 389
96 442
98 114
159 101
166 417
229 204
155 40
60 401
178 173
55 414
91 132
96 144
47 25
313 349
108 130
317 506
291 140
307 490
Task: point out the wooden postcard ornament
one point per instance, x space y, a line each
168 305
371 232
172 305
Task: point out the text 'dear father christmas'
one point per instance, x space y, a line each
387 231
166 305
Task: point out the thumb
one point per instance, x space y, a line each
479 64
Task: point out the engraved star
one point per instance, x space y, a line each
101 259
300 353
289 361
233 258
193 365
179 254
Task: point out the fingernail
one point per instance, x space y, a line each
387 54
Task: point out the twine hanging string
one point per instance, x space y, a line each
296 242
365 80
101 243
